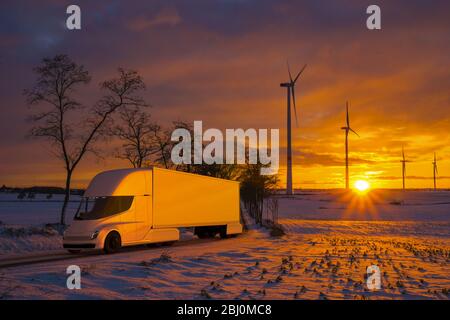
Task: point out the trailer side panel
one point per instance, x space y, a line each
187 200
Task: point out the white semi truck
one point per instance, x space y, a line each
140 206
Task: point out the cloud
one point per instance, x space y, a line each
222 62
168 16
308 158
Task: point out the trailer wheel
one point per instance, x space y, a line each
112 242
223 232
203 232
209 232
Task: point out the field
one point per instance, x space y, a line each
331 239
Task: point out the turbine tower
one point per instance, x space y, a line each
403 161
290 90
347 130
435 170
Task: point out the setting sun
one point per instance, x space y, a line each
362 185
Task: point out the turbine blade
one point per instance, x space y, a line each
300 72
295 108
353 131
348 118
403 153
289 70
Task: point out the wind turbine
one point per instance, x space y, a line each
347 130
290 89
403 161
435 170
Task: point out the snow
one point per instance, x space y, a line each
16 239
23 222
331 239
385 205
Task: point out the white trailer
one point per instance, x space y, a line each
140 206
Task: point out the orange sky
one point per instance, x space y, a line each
222 63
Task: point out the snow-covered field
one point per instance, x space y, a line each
331 239
35 211
385 205
23 222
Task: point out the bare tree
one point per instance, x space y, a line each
137 132
57 79
163 145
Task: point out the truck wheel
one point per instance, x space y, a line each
72 251
112 242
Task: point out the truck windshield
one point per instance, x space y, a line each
102 207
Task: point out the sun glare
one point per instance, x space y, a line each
362 186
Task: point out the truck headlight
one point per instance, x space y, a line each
94 235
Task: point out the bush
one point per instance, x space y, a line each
277 230
255 188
